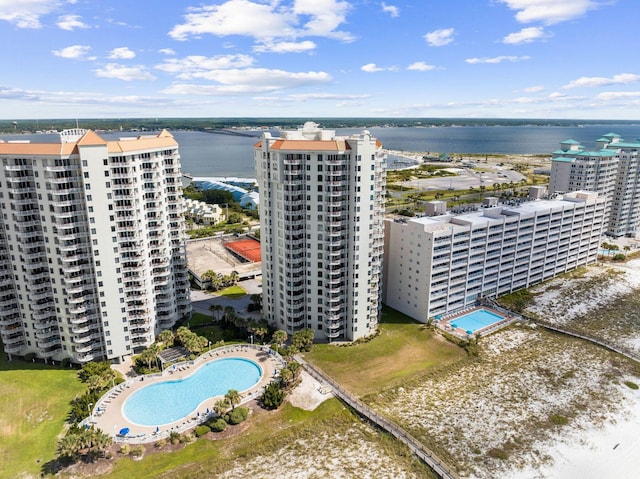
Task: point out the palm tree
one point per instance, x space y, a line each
216 308
166 337
220 407
256 299
295 368
240 322
150 355
279 338
98 442
70 446
233 397
260 332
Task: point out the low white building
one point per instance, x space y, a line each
435 265
203 212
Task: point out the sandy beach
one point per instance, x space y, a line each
612 452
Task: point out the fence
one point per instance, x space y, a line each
416 447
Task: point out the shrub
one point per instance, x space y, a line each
160 443
618 257
174 437
237 415
186 438
124 449
137 451
559 420
201 430
498 453
273 396
217 425
631 385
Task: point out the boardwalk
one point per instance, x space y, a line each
586 337
416 447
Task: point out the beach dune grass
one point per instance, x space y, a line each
403 349
286 427
34 404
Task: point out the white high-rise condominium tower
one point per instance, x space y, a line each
92 253
321 217
612 169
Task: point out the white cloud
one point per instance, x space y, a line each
167 51
591 82
526 35
70 22
549 12
325 17
372 68
326 96
534 89
421 67
27 13
439 38
286 47
73 52
265 21
499 59
122 53
618 95
188 67
124 72
248 80
391 10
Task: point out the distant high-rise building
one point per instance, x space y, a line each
92 253
612 169
321 216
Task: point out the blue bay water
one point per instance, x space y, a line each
206 154
210 154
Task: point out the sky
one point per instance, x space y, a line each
320 58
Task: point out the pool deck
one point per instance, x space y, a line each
507 316
107 414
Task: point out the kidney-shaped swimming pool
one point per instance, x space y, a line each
170 401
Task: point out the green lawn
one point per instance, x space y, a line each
234 291
34 404
402 349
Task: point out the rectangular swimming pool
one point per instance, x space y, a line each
475 320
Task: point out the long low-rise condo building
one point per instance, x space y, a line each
440 264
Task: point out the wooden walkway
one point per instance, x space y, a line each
627 353
438 466
586 337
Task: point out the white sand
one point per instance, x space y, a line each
309 394
612 452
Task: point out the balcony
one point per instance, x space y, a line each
47 333
10 319
83 319
12 336
43 314
15 348
84 349
87 338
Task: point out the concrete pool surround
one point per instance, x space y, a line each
108 413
